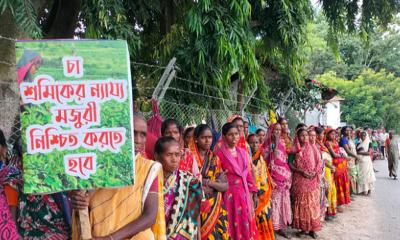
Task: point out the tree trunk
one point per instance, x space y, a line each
168 16
62 20
240 96
8 86
60 24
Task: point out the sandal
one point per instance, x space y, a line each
329 218
313 234
301 233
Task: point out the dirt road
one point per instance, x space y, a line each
374 217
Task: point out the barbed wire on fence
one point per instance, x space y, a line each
204 85
7 63
219 89
194 113
191 114
200 95
8 38
147 65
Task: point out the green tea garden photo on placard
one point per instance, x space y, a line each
76 114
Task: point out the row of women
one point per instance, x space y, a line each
242 186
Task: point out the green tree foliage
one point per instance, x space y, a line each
214 42
282 29
262 40
380 52
24 15
371 99
356 16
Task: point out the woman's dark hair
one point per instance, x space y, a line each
300 125
343 130
319 130
300 130
3 141
281 119
187 131
238 119
227 127
329 133
168 122
259 130
17 148
250 136
159 146
311 129
200 129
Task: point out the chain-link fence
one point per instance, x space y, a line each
9 104
9 120
189 115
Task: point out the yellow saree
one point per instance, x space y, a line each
112 209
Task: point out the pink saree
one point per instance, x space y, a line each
237 198
8 229
276 156
306 192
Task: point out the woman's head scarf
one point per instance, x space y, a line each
28 59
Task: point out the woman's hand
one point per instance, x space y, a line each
312 174
303 173
109 237
255 201
101 238
309 175
222 177
79 199
207 186
207 190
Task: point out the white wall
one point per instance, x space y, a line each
333 114
313 117
330 116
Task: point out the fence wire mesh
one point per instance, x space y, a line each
187 115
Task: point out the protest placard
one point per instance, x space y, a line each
76 115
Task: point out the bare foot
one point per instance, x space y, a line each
340 209
283 234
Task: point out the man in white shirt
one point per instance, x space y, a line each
382 136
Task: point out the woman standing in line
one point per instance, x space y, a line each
182 192
366 177
347 143
306 185
264 185
276 156
241 197
341 173
393 155
329 170
214 217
